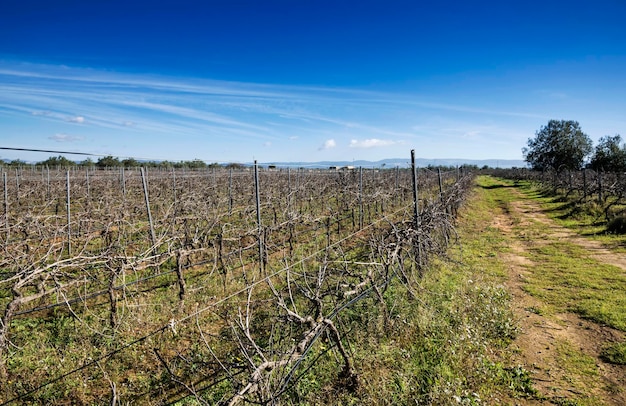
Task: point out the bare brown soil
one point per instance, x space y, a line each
545 338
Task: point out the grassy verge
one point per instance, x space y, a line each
584 216
572 281
564 275
448 344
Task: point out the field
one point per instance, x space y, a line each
215 285
301 287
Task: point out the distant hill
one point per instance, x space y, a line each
405 162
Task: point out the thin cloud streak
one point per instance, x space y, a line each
140 106
224 89
371 143
77 119
65 138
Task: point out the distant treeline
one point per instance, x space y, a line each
110 162
113 162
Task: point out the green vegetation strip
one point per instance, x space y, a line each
562 276
439 347
566 278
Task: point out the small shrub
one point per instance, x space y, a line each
617 225
615 353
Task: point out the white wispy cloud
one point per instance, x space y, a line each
471 134
75 119
210 112
371 143
62 137
328 144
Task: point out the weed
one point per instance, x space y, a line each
617 225
614 353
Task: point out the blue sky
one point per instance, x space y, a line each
304 80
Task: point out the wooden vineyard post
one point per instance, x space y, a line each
123 182
47 183
69 226
145 193
360 197
327 232
395 188
174 184
258 216
87 180
415 201
174 188
17 186
297 189
440 184
230 191
181 278
112 300
288 189
416 219
6 205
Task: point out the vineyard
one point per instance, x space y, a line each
603 193
207 286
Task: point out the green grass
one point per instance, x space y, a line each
615 353
565 277
439 347
585 217
562 274
435 348
569 281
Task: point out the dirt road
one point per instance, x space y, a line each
546 339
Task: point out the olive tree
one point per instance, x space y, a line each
610 155
59 161
108 162
560 145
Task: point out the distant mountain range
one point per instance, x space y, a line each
404 163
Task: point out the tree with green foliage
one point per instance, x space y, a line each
87 163
195 164
59 161
165 164
610 155
234 165
131 163
108 162
560 145
17 163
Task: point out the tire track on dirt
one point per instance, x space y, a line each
545 338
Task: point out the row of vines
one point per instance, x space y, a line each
209 287
606 189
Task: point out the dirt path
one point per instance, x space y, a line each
545 339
